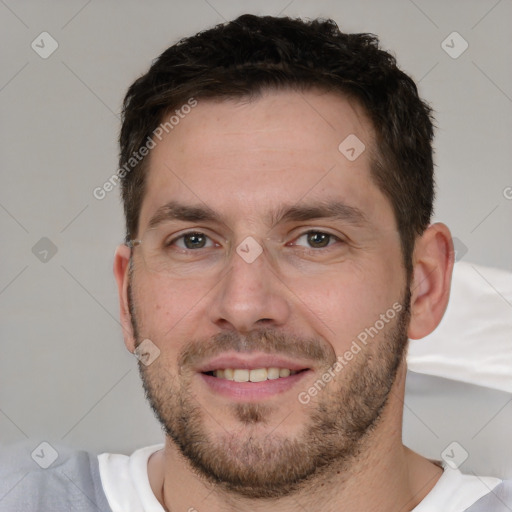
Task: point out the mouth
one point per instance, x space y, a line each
252 377
255 375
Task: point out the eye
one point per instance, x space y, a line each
317 239
192 240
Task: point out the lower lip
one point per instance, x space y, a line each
252 391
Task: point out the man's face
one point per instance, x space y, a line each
293 297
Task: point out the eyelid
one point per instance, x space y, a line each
298 232
180 234
218 240
334 238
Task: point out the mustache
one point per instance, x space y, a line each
266 340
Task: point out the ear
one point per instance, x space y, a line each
432 275
121 273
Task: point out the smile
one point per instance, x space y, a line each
255 375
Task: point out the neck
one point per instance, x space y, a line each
386 476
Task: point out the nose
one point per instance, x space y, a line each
250 296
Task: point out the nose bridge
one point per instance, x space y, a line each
250 291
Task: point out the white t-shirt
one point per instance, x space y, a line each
126 485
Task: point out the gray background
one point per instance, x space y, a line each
65 375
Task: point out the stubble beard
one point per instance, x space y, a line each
263 463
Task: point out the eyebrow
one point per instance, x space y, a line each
335 210
173 210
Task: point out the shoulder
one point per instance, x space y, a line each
49 477
497 500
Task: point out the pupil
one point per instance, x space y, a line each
194 240
318 239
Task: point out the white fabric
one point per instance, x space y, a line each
473 342
126 485
455 492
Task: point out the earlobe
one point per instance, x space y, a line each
430 291
121 274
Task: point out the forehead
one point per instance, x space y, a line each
246 158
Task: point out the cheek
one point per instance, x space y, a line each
165 306
344 304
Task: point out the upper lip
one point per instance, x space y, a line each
252 361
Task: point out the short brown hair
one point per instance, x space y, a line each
251 54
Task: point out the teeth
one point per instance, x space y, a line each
241 375
258 375
273 373
255 375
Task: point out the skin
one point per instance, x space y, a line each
243 160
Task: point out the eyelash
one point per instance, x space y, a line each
305 233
